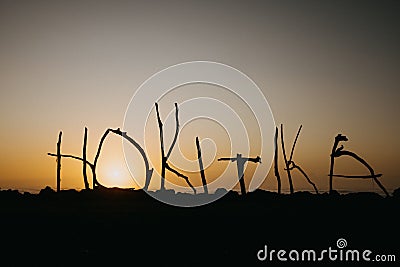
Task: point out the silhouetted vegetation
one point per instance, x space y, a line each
121 226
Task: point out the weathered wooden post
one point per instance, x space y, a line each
338 139
84 162
200 159
163 158
59 162
286 162
276 170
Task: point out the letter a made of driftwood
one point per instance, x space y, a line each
338 152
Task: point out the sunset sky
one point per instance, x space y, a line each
332 66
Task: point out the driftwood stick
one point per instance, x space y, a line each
95 181
176 131
96 158
70 156
286 162
149 172
342 152
355 156
338 139
182 176
84 161
59 162
163 158
306 176
200 159
294 143
357 176
276 170
77 158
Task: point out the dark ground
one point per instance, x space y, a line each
119 227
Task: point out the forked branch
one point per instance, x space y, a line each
294 143
286 162
164 158
182 176
294 166
176 132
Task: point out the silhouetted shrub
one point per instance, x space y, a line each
396 193
46 191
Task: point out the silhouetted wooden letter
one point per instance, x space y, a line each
240 161
338 139
84 163
203 176
149 172
338 152
164 158
59 162
290 164
93 165
276 170
286 162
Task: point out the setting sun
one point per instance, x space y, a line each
117 176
